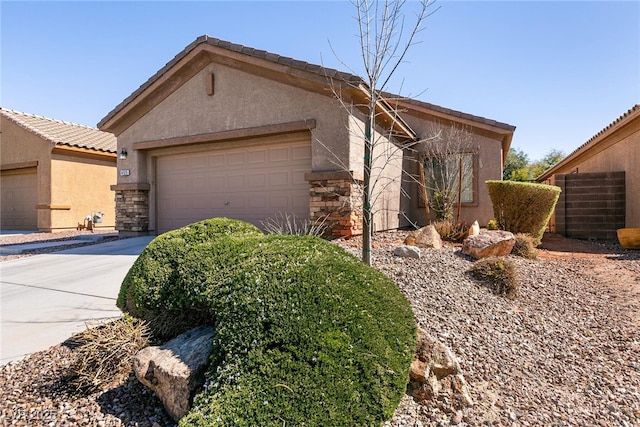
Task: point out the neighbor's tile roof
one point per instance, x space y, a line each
63 133
631 114
290 62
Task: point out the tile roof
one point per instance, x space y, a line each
233 47
628 115
451 112
290 62
59 132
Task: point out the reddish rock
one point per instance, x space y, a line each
489 243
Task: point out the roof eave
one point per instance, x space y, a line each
620 122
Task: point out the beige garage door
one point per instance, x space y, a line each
251 183
19 199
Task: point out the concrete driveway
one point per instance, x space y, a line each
46 298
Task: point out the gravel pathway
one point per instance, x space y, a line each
565 353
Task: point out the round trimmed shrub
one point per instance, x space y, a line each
523 207
499 273
306 334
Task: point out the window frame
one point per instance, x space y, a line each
474 179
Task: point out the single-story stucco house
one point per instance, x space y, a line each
600 182
54 174
228 130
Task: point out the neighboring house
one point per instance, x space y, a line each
600 182
227 130
54 173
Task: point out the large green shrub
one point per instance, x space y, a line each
306 334
523 207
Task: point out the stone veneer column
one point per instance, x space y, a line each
132 208
336 202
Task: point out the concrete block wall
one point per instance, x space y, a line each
591 205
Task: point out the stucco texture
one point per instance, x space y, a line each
215 94
615 149
70 183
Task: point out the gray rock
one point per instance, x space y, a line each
489 243
426 237
407 251
175 370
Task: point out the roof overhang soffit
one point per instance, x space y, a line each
504 135
386 115
159 87
63 149
182 68
598 143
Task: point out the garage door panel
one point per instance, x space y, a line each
257 201
19 200
257 181
279 155
297 177
279 203
235 159
236 182
198 162
301 153
216 160
251 183
279 179
257 157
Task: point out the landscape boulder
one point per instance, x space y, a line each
489 243
406 251
436 378
474 230
425 237
174 371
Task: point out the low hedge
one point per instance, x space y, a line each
306 334
523 207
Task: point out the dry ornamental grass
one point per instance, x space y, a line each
103 354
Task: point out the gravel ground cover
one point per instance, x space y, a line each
566 352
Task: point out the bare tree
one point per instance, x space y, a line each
384 42
447 160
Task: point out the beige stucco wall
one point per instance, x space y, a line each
21 146
386 173
84 185
488 166
241 100
67 184
619 151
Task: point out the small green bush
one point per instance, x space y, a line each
499 273
493 225
525 246
306 334
523 207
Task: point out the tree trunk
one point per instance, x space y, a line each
367 214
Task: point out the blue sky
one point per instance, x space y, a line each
558 71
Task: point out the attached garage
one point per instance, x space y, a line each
252 180
228 130
54 173
19 199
